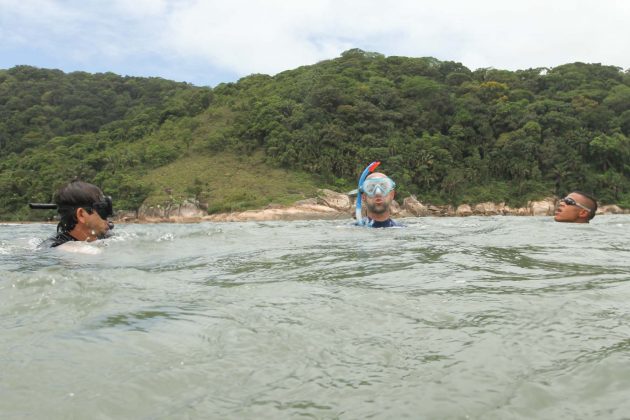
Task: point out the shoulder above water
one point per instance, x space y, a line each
59 239
367 222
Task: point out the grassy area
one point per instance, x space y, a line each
228 182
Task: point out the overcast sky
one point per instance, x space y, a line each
206 42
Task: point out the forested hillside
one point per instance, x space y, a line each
102 128
442 131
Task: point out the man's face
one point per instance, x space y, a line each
96 228
381 200
572 213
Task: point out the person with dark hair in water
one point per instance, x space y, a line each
83 210
577 207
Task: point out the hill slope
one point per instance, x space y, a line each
226 182
442 131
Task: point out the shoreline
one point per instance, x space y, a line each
330 205
236 218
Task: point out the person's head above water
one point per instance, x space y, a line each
577 207
83 211
378 191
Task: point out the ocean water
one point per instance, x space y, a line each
479 317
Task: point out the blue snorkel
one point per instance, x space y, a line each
369 169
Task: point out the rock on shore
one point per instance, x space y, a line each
328 205
333 205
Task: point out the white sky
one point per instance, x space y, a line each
206 42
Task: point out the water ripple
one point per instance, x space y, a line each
498 317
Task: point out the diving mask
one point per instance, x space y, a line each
374 186
104 208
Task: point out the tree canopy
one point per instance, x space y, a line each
442 131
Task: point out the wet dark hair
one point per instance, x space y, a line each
71 196
592 198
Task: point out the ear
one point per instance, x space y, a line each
81 215
583 214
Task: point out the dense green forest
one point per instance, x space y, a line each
442 131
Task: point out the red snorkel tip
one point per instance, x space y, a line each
373 166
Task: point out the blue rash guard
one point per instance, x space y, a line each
367 222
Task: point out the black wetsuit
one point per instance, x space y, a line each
367 222
59 239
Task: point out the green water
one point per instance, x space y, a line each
488 318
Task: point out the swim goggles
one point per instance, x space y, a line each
104 208
374 186
571 202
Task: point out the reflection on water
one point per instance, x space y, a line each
497 317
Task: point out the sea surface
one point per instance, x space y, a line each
455 318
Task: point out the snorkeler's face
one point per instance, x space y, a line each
380 196
94 226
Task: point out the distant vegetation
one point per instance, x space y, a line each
442 131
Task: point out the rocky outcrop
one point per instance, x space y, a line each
520 211
395 209
185 211
611 209
332 205
486 209
545 207
306 202
463 210
126 216
440 211
334 200
303 211
414 207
